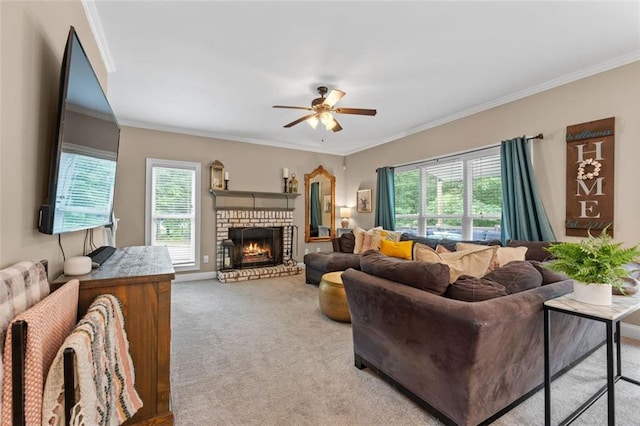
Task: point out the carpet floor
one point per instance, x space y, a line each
261 353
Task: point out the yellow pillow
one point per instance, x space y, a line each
400 249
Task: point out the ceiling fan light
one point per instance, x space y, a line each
327 119
330 125
313 121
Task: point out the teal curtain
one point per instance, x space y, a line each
385 199
523 215
315 207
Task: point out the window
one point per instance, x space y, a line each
173 210
458 197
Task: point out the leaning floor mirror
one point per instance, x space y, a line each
319 205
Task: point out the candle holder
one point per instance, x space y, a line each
226 184
285 185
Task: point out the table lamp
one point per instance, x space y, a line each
345 214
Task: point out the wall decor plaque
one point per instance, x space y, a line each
590 183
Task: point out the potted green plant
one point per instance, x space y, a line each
595 264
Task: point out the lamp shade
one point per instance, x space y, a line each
345 212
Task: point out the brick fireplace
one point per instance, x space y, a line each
260 261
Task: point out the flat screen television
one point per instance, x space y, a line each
82 175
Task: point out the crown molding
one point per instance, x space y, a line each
534 90
95 23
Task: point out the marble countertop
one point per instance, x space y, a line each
620 307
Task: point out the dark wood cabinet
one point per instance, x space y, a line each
141 278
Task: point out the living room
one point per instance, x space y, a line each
33 35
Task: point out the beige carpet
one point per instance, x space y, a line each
261 353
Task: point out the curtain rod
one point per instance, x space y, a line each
538 136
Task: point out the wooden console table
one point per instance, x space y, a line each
141 278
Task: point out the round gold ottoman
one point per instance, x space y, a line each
333 300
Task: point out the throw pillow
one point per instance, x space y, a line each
493 265
463 262
536 249
430 277
379 234
442 249
548 276
466 262
360 234
425 253
509 254
400 249
471 289
516 276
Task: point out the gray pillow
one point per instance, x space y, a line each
516 276
431 277
471 289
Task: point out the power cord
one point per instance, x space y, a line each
64 258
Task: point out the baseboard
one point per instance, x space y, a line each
194 277
630 330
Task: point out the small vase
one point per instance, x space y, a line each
594 294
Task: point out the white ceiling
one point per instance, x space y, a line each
215 68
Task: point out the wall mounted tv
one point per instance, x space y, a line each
82 176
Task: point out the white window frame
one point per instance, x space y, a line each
151 163
467 217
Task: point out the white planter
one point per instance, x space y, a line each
594 294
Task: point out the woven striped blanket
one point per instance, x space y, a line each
105 378
49 322
21 286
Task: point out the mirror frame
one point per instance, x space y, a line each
319 171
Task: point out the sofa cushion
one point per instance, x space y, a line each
548 276
472 289
536 250
448 244
331 262
347 242
430 277
516 276
400 249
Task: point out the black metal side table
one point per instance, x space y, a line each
611 316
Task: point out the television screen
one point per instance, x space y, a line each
85 150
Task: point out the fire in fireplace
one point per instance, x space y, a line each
254 247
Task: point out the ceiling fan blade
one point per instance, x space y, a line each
292 107
299 120
333 97
357 111
337 127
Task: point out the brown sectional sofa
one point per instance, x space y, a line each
466 362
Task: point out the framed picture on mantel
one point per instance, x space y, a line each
363 201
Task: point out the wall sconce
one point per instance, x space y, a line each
345 214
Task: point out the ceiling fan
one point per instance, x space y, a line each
323 107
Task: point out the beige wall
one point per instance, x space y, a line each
615 93
251 168
33 35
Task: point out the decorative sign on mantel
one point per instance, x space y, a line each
590 170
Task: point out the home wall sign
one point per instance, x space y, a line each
590 170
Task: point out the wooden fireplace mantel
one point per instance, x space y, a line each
253 200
